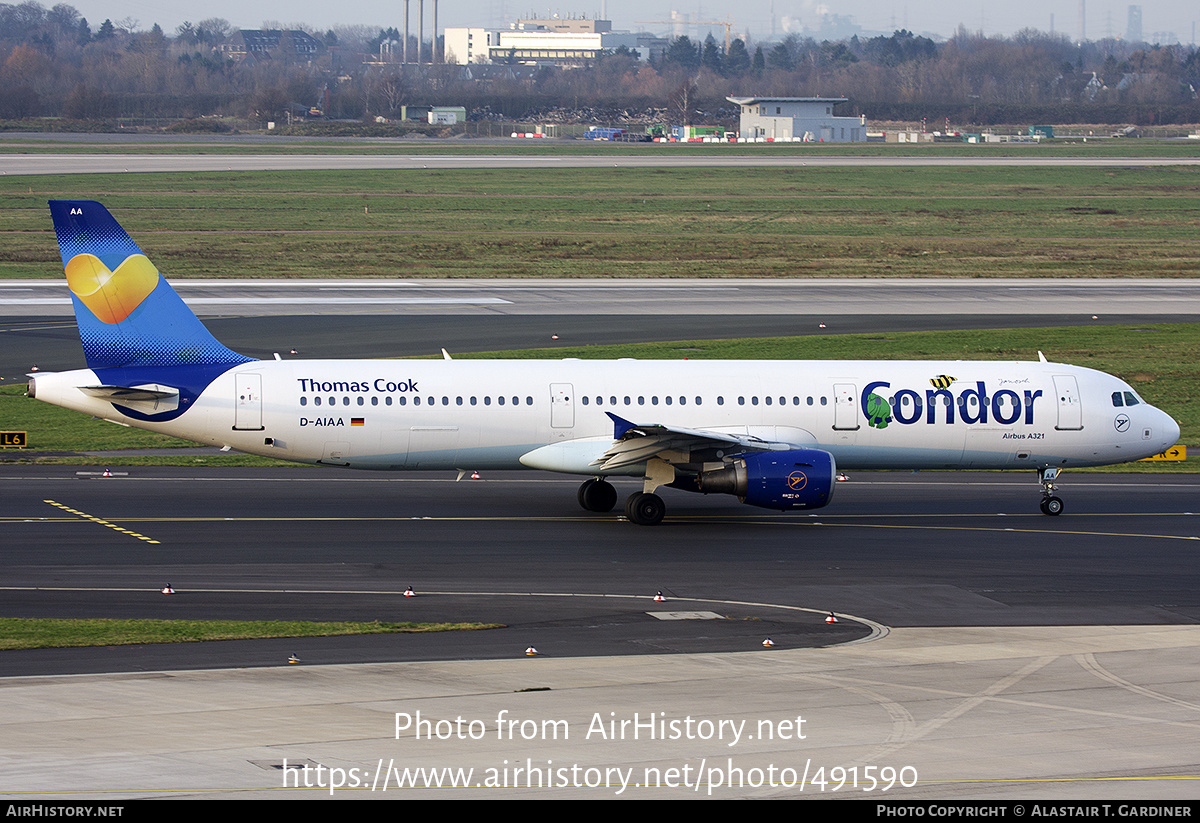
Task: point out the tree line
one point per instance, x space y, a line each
54 63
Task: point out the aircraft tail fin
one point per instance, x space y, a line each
128 315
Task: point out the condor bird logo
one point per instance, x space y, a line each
797 480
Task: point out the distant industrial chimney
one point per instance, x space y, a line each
1133 29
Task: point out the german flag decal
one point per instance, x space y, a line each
357 421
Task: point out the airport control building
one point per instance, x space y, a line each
797 119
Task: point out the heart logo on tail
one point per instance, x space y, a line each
111 295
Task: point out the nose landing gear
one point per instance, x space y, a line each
1051 503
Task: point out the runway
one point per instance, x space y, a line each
631 297
139 163
1012 651
414 318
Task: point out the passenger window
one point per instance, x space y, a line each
303 401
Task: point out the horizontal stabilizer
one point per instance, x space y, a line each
126 393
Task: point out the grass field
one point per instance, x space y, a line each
1159 360
20 633
798 222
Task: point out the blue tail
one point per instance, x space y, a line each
128 315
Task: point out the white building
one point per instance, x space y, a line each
808 119
525 44
466 46
547 47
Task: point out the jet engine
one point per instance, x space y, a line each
801 479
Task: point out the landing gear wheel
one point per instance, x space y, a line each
596 495
1051 504
645 509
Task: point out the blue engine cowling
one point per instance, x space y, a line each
801 479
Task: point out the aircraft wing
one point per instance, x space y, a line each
635 443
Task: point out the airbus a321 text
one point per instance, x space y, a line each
772 433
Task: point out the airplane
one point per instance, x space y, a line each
774 434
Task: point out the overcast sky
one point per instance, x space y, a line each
932 17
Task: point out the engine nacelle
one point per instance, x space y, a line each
801 479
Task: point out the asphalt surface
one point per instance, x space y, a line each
135 163
932 549
52 342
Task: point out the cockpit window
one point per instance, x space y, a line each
1117 399
1130 399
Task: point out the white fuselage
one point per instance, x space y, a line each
476 414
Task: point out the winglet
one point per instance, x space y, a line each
620 426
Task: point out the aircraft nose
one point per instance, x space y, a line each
1170 430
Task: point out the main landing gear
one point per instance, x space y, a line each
1051 503
645 509
642 508
596 495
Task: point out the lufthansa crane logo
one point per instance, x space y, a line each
797 481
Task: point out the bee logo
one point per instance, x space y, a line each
942 381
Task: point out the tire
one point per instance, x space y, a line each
1052 506
584 491
645 509
597 495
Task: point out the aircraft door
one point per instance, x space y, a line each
1070 412
845 407
247 415
562 406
